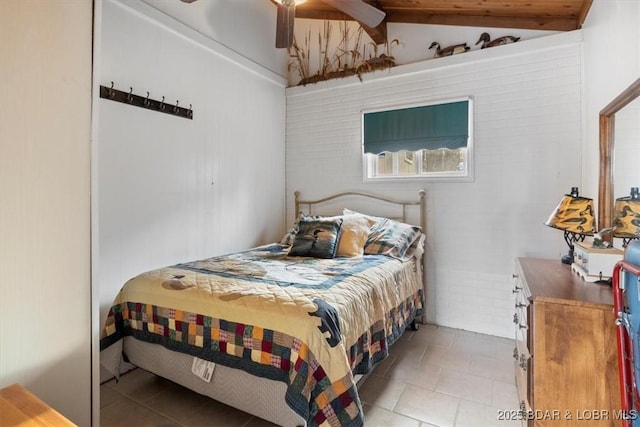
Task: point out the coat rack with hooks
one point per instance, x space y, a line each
145 102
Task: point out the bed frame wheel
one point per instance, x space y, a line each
414 325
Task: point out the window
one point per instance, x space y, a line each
431 141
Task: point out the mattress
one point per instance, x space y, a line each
261 397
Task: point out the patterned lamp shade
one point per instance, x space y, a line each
627 217
574 216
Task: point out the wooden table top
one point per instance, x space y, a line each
550 280
19 407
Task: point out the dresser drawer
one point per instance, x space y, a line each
521 349
521 290
522 388
521 332
522 296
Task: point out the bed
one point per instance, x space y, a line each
284 331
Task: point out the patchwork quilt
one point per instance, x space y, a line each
311 323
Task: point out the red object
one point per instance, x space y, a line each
628 385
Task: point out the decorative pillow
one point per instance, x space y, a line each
391 238
355 230
317 238
417 247
287 239
373 220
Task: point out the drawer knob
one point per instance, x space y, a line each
523 407
516 320
516 290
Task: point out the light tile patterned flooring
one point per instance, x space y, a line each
435 376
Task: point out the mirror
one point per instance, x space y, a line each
626 153
626 118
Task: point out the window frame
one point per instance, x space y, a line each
449 176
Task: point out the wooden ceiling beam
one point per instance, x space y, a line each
583 12
530 23
548 15
377 34
327 15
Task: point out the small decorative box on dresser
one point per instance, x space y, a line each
566 365
594 264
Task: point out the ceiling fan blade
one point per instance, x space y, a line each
284 25
359 10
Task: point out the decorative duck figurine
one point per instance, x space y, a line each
487 42
598 238
450 50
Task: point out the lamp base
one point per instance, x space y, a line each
568 258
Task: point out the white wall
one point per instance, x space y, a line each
527 136
247 27
612 63
45 112
171 189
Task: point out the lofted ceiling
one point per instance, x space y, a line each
552 15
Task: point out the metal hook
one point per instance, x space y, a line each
175 109
146 101
190 112
161 107
130 95
111 93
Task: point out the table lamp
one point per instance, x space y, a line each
574 216
627 217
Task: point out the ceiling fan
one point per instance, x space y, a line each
357 9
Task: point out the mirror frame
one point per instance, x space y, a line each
607 139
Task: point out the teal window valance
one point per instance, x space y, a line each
427 127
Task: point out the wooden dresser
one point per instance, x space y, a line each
566 355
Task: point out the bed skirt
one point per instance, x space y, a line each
261 397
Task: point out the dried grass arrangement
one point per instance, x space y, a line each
350 57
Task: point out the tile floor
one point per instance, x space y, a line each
435 376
